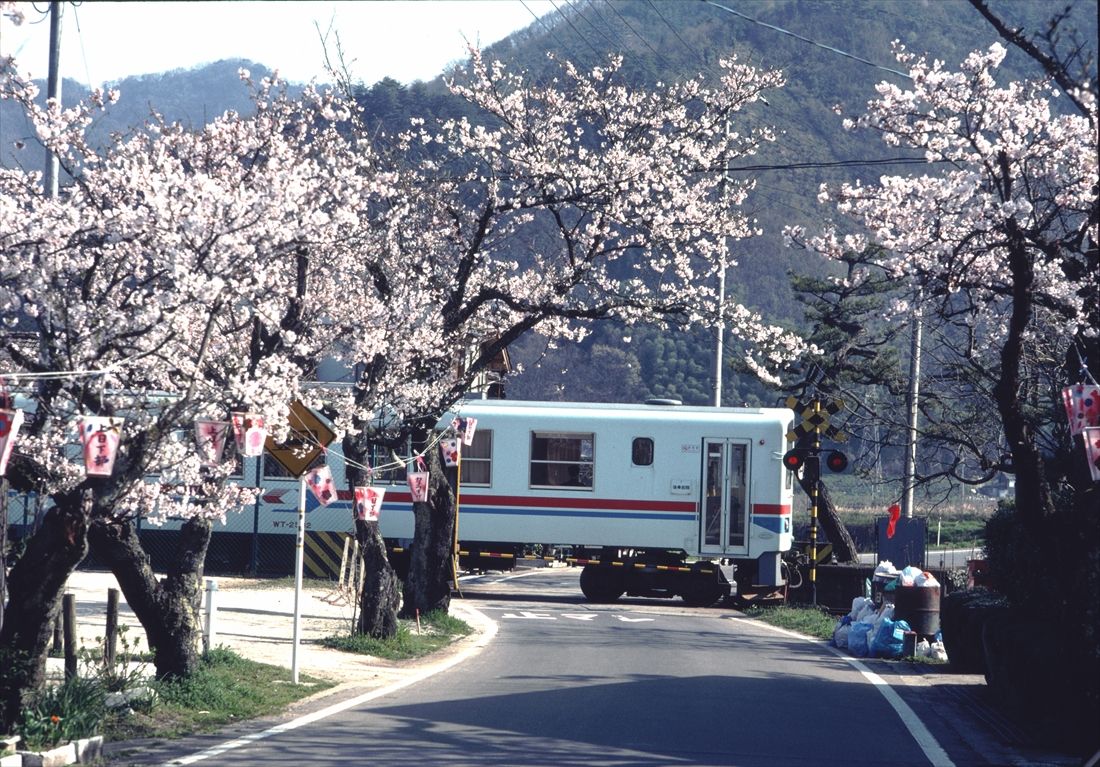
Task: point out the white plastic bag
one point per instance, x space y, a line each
840 635
926 580
857 605
938 652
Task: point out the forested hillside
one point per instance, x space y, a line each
832 54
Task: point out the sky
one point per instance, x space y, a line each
407 40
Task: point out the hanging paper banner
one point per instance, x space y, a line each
10 421
465 428
100 436
210 438
1082 406
451 451
250 433
1092 450
418 482
320 483
368 503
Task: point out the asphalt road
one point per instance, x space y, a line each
640 682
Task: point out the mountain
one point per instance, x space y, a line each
833 53
190 96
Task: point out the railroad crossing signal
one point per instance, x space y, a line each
815 418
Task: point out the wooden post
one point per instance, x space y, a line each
111 640
57 644
68 611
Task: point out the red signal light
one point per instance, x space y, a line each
836 461
793 460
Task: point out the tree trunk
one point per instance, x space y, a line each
170 609
381 593
844 546
1034 502
381 596
428 586
35 586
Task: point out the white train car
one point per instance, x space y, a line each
653 499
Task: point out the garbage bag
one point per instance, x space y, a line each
887 641
857 639
926 580
857 605
840 634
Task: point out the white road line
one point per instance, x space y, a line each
490 630
921 734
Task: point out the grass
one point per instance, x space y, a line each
955 526
227 688
812 621
437 629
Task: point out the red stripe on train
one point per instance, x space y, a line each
771 508
686 507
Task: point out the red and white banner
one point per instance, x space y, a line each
451 451
320 483
250 433
1092 450
10 421
368 503
418 482
465 428
99 435
1082 403
210 436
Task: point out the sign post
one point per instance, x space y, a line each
299 558
307 439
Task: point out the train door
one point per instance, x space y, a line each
725 503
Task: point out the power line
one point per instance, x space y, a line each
579 11
829 48
636 34
693 51
550 30
836 164
576 31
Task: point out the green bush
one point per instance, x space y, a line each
61 713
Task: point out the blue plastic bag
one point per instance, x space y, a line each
857 639
888 641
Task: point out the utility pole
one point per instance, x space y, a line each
914 394
53 91
719 350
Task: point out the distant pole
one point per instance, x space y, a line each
719 346
914 394
53 91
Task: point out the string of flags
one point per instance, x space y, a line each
100 437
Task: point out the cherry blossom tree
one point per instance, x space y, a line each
179 275
562 204
1004 238
997 244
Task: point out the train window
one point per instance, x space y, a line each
477 459
641 451
562 459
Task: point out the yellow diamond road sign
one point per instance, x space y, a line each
308 437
